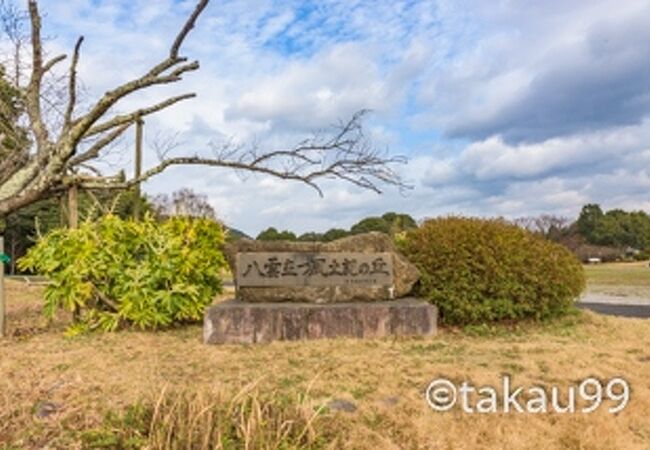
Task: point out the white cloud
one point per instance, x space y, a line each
549 101
544 70
305 95
492 158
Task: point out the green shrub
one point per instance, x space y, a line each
478 271
643 255
120 272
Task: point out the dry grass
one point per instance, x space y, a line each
621 279
82 379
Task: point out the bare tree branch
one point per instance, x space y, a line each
93 182
191 21
13 20
82 125
52 62
94 150
91 169
32 97
163 143
154 77
347 156
195 160
132 117
342 153
104 299
72 85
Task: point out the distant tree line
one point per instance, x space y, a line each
390 223
615 227
609 235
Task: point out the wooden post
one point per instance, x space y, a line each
63 216
2 290
137 204
73 207
73 223
12 255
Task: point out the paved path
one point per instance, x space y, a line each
616 305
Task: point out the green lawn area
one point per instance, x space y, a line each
623 279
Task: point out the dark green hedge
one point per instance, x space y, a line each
479 271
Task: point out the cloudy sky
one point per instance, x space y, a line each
504 108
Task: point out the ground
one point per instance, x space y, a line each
54 389
620 279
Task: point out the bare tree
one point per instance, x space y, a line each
547 225
58 159
12 24
184 202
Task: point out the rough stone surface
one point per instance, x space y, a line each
390 401
234 321
339 404
44 409
405 273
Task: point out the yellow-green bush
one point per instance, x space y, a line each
118 272
479 271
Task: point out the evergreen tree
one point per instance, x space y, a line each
615 228
272 234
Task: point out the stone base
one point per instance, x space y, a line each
247 323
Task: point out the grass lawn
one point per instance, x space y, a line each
57 392
623 279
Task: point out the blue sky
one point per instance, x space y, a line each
505 108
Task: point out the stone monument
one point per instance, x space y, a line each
352 287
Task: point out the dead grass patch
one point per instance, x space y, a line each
83 379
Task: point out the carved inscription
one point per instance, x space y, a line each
314 269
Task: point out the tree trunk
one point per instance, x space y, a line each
63 215
137 205
73 207
73 217
13 245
